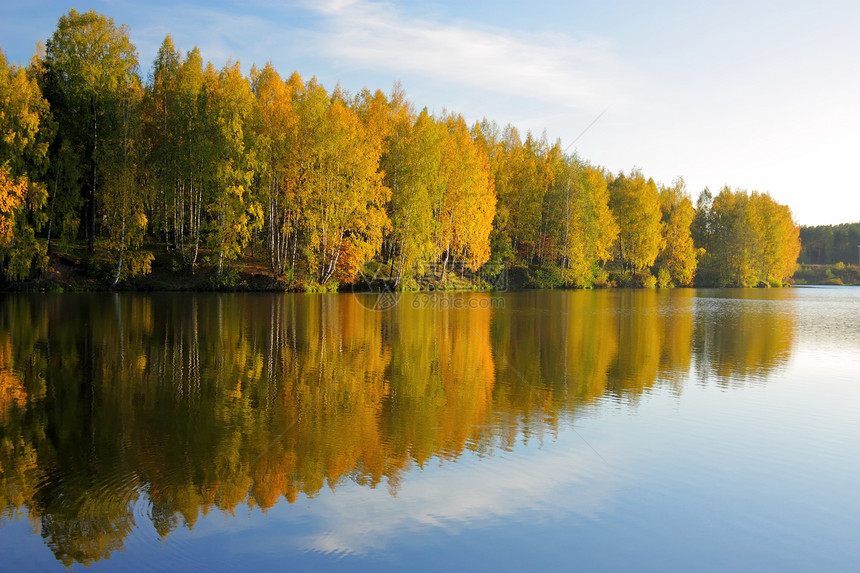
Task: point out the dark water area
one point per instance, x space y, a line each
649 430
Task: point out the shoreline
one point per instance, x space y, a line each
69 274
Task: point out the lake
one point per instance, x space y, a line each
706 430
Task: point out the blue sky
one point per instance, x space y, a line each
755 95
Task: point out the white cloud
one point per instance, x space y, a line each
536 485
548 67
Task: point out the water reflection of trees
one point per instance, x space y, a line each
210 401
576 347
743 335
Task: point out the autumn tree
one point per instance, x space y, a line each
677 259
178 145
588 228
779 239
89 64
734 239
191 147
91 73
412 164
468 203
753 240
277 126
488 136
523 175
345 200
164 133
26 129
231 115
308 104
123 205
635 203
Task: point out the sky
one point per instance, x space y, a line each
760 95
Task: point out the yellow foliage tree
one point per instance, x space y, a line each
589 227
345 198
678 254
278 120
635 203
25 131
469 199
753 239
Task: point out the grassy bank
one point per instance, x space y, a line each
836 275
73 269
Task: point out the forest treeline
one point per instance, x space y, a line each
830 244
212 168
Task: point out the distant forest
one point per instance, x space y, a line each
830 244
202 171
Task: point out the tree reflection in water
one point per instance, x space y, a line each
205 401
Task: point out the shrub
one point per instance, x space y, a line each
547 276
622 279
601 279
644 279
518 277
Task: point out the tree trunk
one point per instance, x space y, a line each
91 215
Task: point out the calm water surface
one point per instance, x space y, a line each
654 430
